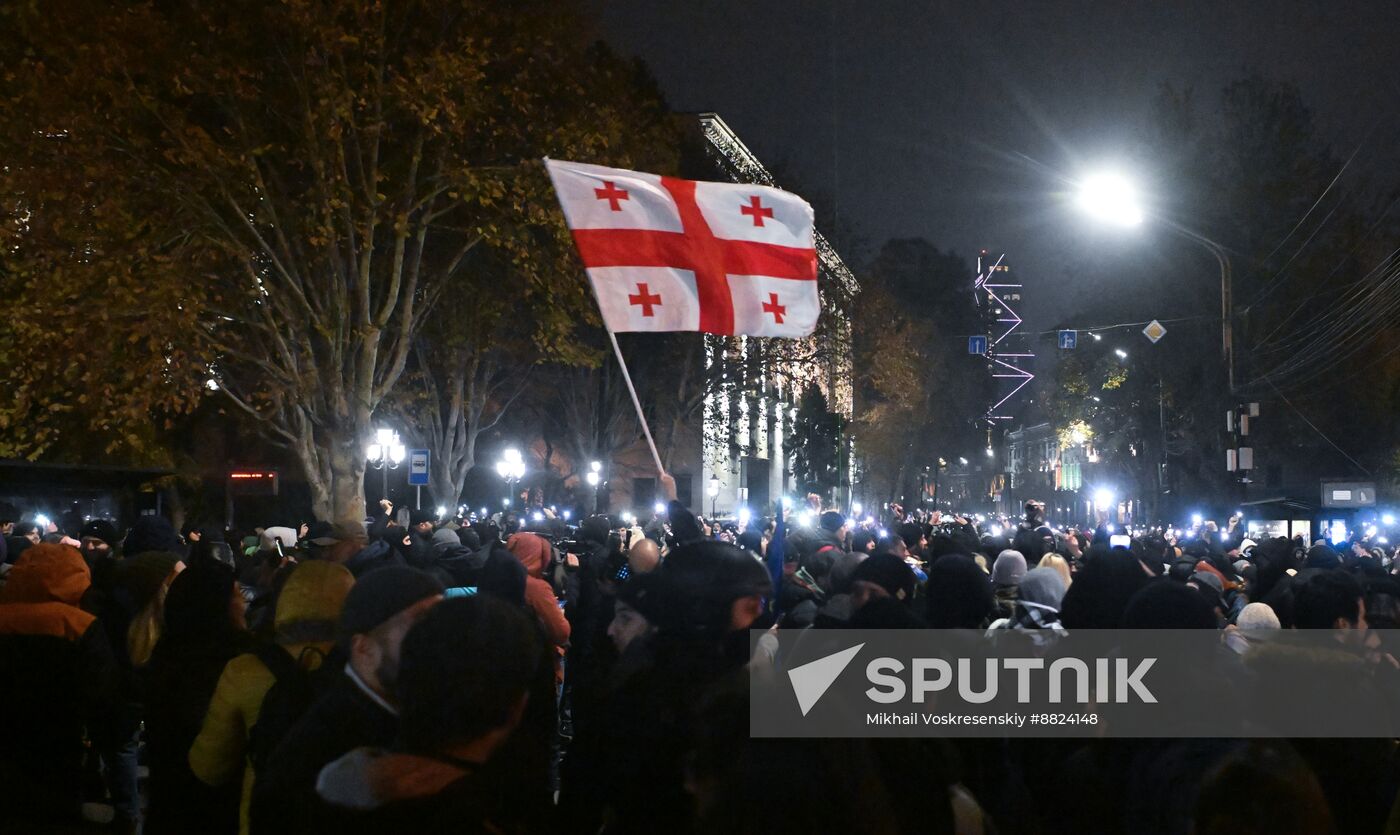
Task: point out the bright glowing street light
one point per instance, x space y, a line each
511 467
1103 499
1122 355
1111 197
1388 519
385 453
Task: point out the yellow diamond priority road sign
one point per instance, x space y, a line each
1154 331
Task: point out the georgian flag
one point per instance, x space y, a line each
665 254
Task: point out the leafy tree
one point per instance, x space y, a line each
918 397
279 194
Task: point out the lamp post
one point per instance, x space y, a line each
714 493
511 467
385 453
594 478
1113 199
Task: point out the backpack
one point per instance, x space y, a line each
293 691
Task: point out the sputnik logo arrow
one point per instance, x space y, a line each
813 679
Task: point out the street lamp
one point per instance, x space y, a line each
1112 198
714 493
384 454
594 478
511 467
1122 355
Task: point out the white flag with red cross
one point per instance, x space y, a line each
666 254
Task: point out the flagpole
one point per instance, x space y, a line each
646 430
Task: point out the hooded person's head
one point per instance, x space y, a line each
203 605
445 539
52 578
1163 604
468 538
595 529
309 605
1321 556
1043 588
708 589
959 594
533 551
153 533
502 576
1101 591
832 522
47 573
1009 568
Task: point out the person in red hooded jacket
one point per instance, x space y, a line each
534 553
56 675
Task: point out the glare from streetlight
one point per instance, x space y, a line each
1111 197
1103 498
1122 355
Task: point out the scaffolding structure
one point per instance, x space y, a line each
1009 359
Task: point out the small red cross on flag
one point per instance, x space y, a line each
665 254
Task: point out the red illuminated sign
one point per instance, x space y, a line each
253 482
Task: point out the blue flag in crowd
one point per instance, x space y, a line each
776 546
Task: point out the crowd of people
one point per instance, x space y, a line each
522 674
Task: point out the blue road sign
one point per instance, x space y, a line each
418 467
977 345
1069 340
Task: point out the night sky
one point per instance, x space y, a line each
952 121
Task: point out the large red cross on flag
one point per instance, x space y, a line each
665 254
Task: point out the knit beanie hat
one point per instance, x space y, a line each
1257 616
100 529
888 572
1009 568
